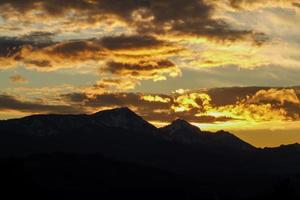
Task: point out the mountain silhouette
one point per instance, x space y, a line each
218 162
119 127
123 118
182 131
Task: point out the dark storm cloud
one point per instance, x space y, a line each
177 17
8 102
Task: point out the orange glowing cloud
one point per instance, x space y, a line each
254 4
155 98
134 57
263 106
196 17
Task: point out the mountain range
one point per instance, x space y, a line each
120 121
217 161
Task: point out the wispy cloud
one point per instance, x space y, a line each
18 79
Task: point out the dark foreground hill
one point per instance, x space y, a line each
116 152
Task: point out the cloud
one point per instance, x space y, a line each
200 104
196 17
218 56
155 30
257 105
261 105
115 84
285 98
190 101
231 95
132 57
280 96
143 70
203 106
156 98
11 103
296 4
34 51
132 42
254 4
38 37
13 51
145 56
153 107
10 47
18 79
135 100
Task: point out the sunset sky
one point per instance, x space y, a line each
219 64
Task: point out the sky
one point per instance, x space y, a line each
219 64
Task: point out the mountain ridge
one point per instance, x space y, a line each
123 118
184 150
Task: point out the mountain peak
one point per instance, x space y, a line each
117 110
181 123
123 117
181 126
182 131
123 109
184 125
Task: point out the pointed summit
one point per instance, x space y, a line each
180 125
181 131
124 118
116 110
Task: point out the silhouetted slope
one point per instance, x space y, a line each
221 163
123 118
181 131
69 176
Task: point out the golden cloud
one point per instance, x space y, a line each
241 55
136 57
281 96
155 98
254 4
196 17
11 103
262 106
199 107
191 101
143 70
